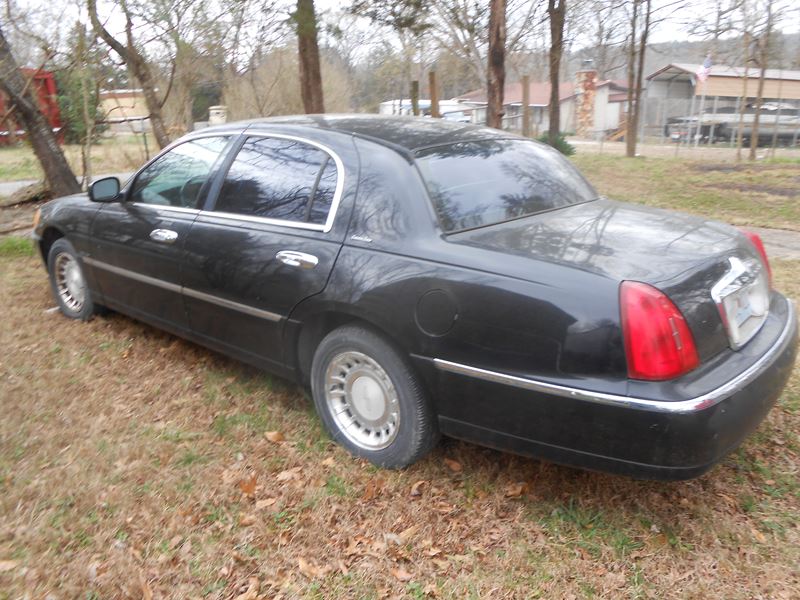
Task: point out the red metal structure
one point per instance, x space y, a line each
43 86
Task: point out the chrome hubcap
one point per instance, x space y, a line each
362 400
69 282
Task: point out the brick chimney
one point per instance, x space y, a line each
585 88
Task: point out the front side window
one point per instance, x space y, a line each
473 184
280 179
176 178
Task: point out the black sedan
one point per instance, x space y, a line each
423 276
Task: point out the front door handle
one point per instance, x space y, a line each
297 259
165 236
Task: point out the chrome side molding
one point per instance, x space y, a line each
178 289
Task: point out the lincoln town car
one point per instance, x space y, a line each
425 277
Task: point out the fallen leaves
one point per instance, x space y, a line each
251 593
147 593
515 490
247 520
406 534
401 574
373 489
275 437
289 474
312 571
453 465
416 489
8 565
248 485
265 503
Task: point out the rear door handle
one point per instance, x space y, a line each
297 259
165 236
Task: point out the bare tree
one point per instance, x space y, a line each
762 61
305 20
641 9
605 20
137 63
556 10
59 175
496 67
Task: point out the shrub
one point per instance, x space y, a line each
562 145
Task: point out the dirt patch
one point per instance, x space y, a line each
736 167
758 188
134 464
17 219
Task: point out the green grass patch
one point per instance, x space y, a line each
761 194
15 246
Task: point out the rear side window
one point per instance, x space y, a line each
473 184
279 179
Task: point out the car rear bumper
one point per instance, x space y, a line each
676 431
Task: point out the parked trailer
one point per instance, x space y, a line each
779 122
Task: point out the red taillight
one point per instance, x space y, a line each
658 343
755 239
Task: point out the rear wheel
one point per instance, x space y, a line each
68 282
370 400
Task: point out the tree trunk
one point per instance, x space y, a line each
763 60
415 98
743 103
635 113
630 149
759 99
496 73
138 66
433 89
308 50
556 10
57 171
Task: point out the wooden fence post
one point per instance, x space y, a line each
526 106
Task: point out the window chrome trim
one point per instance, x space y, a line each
263 220
696 404
167 207
337 193
179 289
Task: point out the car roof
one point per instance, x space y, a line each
401 132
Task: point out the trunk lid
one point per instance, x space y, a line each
682 255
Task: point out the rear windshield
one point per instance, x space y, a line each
473 184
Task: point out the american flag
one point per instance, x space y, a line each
704 70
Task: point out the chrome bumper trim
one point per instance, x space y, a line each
681 406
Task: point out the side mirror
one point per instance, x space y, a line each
104 190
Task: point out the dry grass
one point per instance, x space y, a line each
136 465
761 194
117 154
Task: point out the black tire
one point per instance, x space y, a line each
63 256
415 431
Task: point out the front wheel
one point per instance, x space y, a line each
370 400
68 282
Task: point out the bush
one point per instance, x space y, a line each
562 145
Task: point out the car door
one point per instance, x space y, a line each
137 243
266 244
